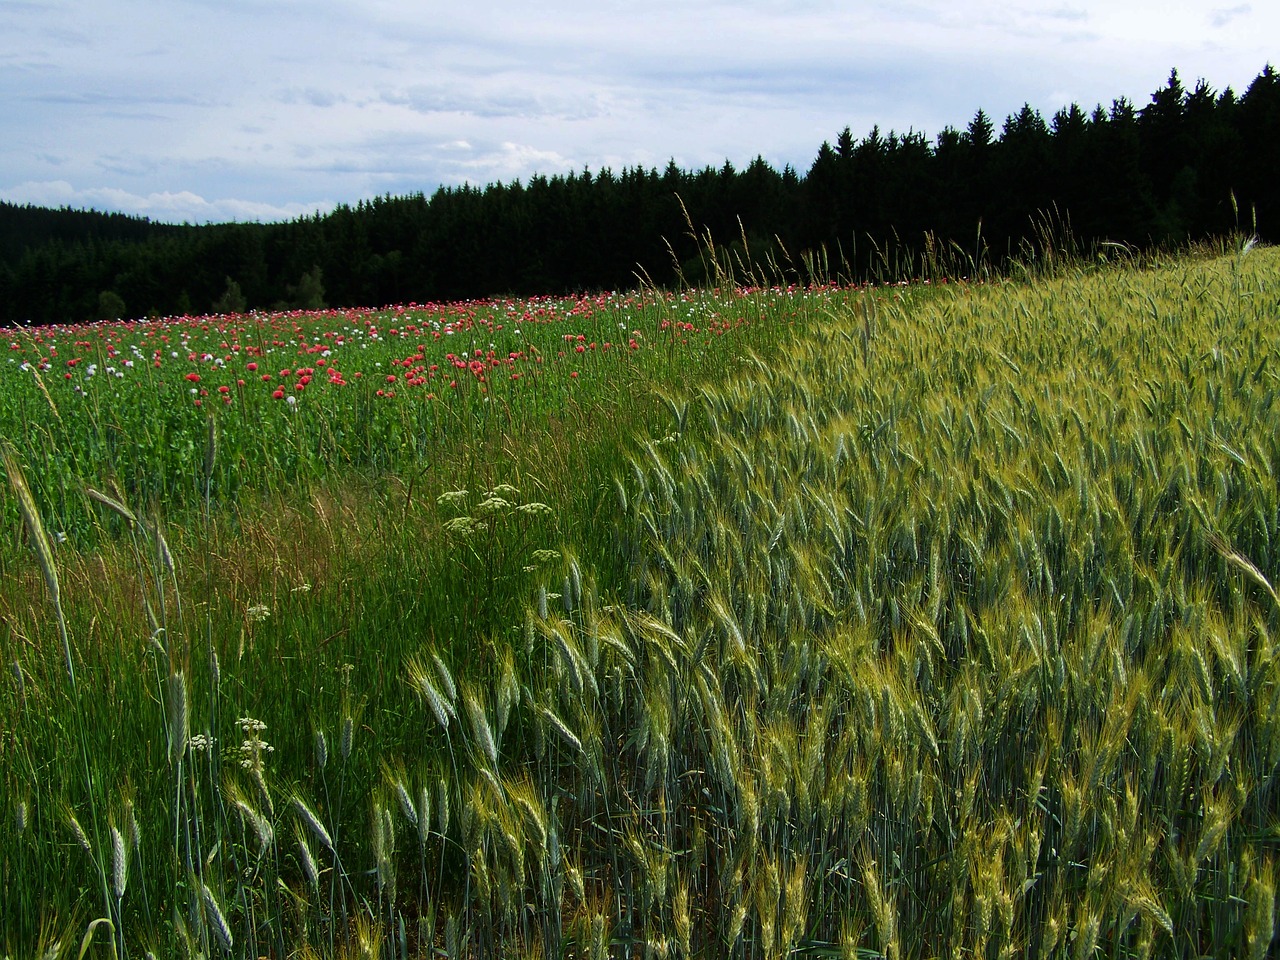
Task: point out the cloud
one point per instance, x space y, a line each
127 166
511 160
99 98
313 96
167 206
502 101
1223 16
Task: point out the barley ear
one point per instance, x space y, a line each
45 390
480 727
217 922
420 678
119 863
344 741
321 749
77 831
446 678
396 780
307 816
113 504
31 517
1244 564
162 548
131 821
307 859
179 717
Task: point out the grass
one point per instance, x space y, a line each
901 623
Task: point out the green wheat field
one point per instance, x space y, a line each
906 621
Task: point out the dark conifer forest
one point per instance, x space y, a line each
1188 165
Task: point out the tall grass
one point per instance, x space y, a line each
939 625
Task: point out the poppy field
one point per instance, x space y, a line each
294 395
901 622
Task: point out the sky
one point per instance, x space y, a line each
216 110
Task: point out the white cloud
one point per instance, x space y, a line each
512 160
1224 16
179 207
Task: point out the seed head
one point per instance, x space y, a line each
113 504
179 719
344 742
131 821
78 832
119 863
308 861
217 922
31 517
313 822
322 749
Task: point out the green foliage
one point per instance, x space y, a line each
308 293
110 305
232 299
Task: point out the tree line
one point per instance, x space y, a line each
1188 165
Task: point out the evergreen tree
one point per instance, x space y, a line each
110 305
232 299
1258 129
308 293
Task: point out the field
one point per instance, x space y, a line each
902 621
